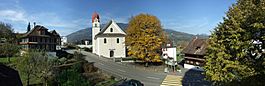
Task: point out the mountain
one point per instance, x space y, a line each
86 34
181 37
176 36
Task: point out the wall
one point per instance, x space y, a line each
118 48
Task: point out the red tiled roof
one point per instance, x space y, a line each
95 15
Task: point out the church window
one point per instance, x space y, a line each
111 29
118 40
96 25
105 40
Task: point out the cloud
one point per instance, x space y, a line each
12 15
193 26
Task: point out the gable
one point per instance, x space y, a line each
41 31
111 28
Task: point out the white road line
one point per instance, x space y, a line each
100 63
121 70
152 78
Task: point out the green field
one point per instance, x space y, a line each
4 60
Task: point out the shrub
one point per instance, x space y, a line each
72 77
88 49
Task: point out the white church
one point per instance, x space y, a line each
108 41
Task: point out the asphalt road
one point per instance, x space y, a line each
116 69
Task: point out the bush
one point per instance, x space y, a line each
71 46
61 54
72 77
88 49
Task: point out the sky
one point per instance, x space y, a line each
67 16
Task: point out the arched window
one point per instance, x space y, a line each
118 40
111 29
105 40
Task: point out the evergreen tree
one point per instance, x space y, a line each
28 28
235 55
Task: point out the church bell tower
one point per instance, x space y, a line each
95 31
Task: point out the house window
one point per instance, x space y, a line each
187 61
118 41
111 29
105 40
96 25
197 63
191 62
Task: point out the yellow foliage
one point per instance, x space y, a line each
145 37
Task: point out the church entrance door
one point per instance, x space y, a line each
111 53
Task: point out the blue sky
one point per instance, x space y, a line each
67 16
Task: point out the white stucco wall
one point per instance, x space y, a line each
95 30
103 49
115 28
170 52
118 48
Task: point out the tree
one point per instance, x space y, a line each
34 64
28 28
9 50
7 32
235 53
145 37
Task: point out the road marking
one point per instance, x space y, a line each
121 70
152 78
172 80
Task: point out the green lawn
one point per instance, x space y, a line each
4 60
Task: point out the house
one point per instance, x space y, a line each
194 54
169 54
108 41
63 40
40 38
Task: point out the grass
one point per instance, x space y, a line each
108 82
4 60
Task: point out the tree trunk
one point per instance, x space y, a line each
28 79
46 82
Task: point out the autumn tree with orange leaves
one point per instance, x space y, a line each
145 37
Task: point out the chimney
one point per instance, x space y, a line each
28 28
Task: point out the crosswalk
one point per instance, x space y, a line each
172 80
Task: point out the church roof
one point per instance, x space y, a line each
111 34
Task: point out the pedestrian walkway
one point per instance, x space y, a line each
172 80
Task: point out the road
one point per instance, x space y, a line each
116 69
